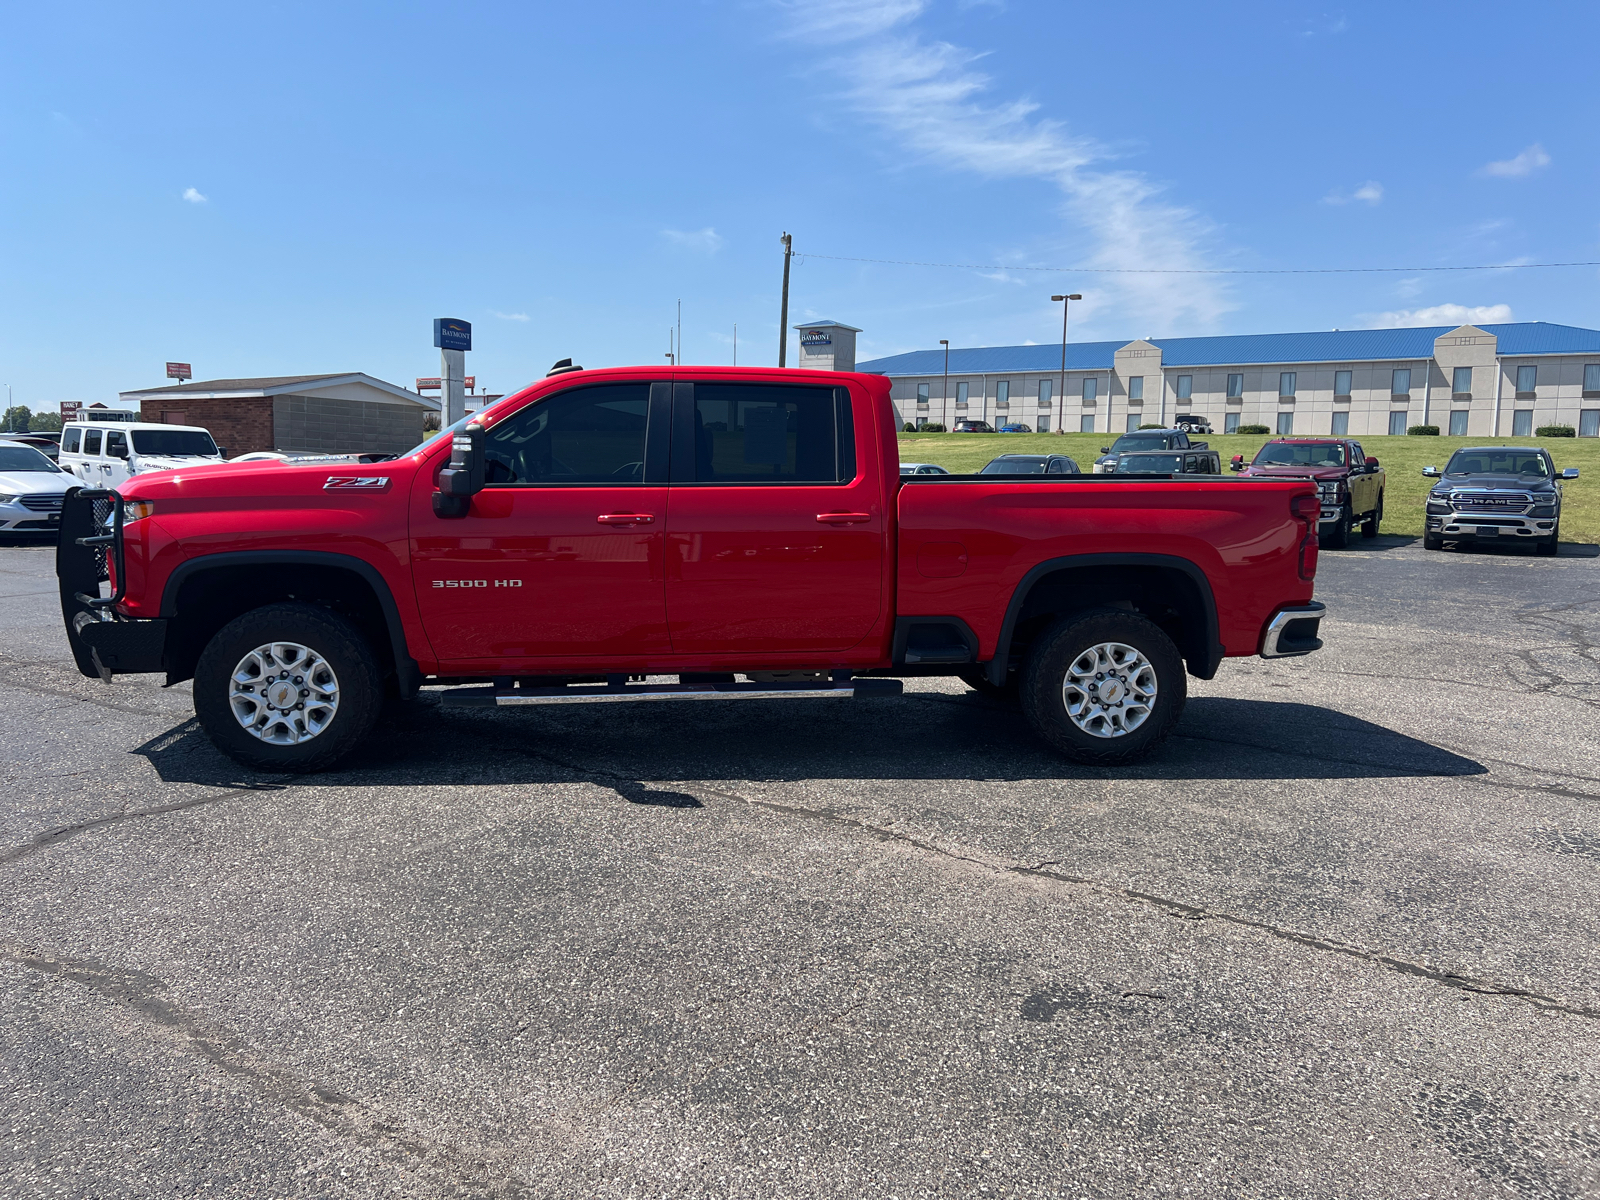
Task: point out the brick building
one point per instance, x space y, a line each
300 414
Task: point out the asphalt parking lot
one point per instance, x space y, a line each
1339 938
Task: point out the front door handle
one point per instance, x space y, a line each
843 518
626 518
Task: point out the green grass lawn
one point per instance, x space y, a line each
1402 459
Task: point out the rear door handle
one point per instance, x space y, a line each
626 518
843 518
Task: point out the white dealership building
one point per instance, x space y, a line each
1474 381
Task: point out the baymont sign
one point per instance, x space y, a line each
816 337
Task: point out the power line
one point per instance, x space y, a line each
896 262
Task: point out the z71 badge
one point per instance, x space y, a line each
368 483
476 583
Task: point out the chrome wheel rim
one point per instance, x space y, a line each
283 693
1109 690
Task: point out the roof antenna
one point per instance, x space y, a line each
561 368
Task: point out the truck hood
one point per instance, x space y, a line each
1497 483
33 483
1297 471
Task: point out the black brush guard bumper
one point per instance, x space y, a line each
103 644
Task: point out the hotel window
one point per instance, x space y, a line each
1342 381
1458 422
1397 421
1285 423
1133 421
1235 387
1230 423
1591 379
1286 386
1461 381
1002 394
1086 423
1341 423
961 395
1522 423
1136 387
922 394
1527 380
1589 423
1046 391
1091 389
1044 424
1185 386
1400 382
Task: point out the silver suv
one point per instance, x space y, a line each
1504 493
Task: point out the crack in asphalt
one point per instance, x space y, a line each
1576 638
63 832
1176 908
11 676
344 1115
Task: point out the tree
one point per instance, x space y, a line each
44 423
17 417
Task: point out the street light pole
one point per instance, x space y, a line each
1065 302
944 391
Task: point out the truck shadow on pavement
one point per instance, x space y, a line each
924 735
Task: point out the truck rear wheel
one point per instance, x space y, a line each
1104 687
1369 527
287 687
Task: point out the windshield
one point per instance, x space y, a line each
174 443
1139 441
1505 460
1017 464
1330 454
1158 463
25 458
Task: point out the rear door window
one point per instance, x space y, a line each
69 441
762 433
91 441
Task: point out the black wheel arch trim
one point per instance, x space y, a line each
1206 669
407 671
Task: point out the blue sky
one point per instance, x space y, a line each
293 188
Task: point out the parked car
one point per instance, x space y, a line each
31 490
103 454
1016 427
1350 484
1030 464
974 427
1193 423
1169 462
47 444
922 469
1143 439
1504 493
297 595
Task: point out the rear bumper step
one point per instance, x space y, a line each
490 697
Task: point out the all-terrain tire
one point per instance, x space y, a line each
1551 544
1432 541
337 688
1340 537
1369 526
1063 665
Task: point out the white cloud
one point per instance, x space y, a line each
1441 314
1408 288
1526 163
193 196
706 240
509 316
1370 192
932 102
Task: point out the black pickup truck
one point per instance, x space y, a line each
1142 440
1507 493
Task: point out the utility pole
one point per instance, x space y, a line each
783 311
672 356
680 330
736 343
944 391
1061 401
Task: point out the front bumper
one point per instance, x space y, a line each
1462 525
103 643
1293 631
18 518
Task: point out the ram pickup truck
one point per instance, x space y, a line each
643 534
1508 493
1350 484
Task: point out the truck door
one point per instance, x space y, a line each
1363 486
561 553
93 469
775 537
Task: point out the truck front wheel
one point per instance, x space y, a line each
287 687
1104 687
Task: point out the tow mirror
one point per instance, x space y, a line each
1570 473
1427 472
463 478
1371 462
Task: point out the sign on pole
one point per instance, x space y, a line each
180 371
428 385
450 333
70 410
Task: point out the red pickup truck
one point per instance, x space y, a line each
643 534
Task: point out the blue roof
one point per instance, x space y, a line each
1343 345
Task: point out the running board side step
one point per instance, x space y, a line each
491 697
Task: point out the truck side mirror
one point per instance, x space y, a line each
1427 472
463 478
1105 449
1371 463
1236 463
1570 473
222 452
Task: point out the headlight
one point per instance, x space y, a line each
5 499
1437 507
136 510
1544 510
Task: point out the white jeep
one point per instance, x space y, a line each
106 454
